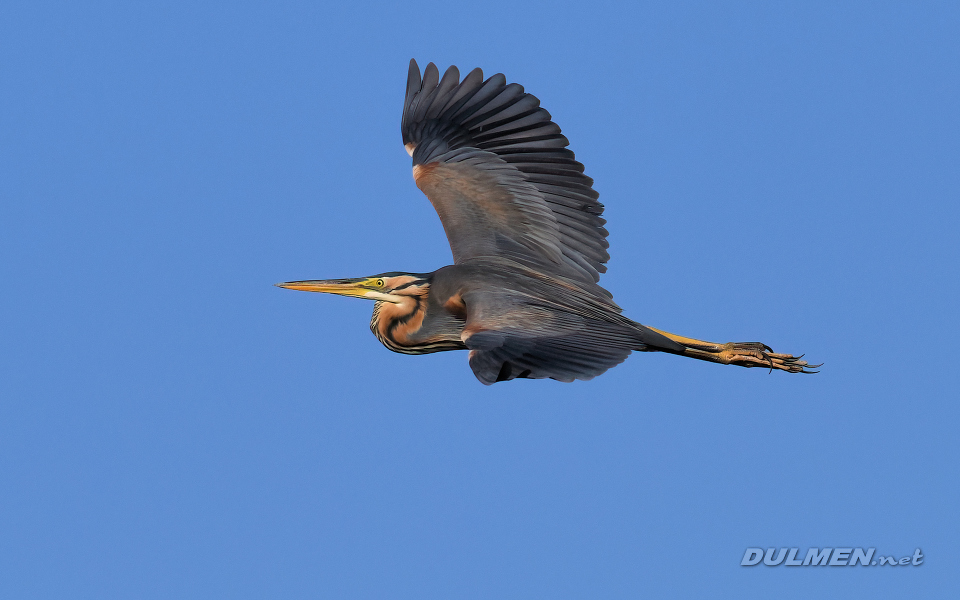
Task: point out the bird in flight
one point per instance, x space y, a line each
528 243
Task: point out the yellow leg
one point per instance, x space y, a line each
742 354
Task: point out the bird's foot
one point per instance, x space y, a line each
755 354
742 354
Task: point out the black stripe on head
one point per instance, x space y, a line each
418 278
417 282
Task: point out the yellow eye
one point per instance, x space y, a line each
380 283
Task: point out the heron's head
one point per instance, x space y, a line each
399 312
393 287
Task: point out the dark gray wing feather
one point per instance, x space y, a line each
543 327
575 349
556 215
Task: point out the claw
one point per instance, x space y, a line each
745 354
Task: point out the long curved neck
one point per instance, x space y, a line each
411 327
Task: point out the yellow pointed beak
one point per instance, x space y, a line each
357 288
341 287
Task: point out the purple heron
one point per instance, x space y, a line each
528 243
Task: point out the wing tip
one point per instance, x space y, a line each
413 78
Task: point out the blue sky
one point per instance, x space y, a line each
172 426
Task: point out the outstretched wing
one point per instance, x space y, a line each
570 348
499 174
520 338
544 327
